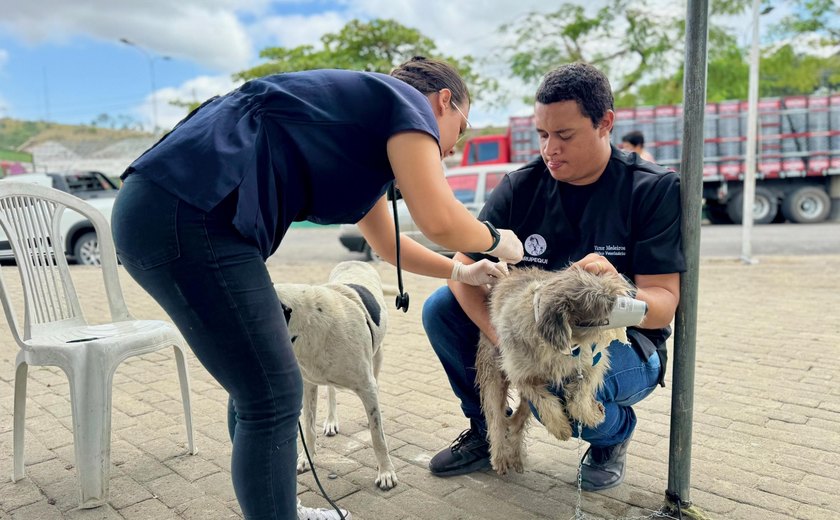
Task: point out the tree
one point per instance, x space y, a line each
782 71
626 39
786 72
376 46
817 17
727 77
641 49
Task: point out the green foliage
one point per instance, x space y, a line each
782 72
640 49
11 155
818 17
188 105
121 122
14 133
377 46
628 40
785 72
727 77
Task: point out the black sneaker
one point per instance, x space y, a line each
469 452
603 467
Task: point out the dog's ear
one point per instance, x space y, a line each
553 323
287 312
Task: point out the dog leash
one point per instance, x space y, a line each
314 474
579 513
402 297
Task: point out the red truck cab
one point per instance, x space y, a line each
519 144
486 149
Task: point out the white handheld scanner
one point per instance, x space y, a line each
627 312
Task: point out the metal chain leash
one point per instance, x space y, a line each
579 514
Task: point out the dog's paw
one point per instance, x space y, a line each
504 463
302 464
559 427
598 415
592 415
499 465
330 428
387 480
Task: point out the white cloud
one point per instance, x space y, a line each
226 35
467 27
196 89
459 28
295 30
206 31
4 106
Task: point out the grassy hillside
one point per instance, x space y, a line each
14 133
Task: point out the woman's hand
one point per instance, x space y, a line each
509 249
483 272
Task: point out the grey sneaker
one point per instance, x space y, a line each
603 467
309 513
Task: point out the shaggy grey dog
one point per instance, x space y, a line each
337 330
544 321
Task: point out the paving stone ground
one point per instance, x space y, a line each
766 438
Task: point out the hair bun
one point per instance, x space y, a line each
418 58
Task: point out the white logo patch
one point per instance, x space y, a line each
535 245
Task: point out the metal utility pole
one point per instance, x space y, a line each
151 58
691 194
752 141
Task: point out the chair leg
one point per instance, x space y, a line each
19 419
90 399
184 377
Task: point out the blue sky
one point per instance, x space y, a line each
62 60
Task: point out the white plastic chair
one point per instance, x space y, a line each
55 333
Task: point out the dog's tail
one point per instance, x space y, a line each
390 290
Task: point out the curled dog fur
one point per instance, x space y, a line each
337 330
541 320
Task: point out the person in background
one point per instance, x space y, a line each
635 142
583 202
201 211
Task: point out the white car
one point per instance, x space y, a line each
77 232
470 184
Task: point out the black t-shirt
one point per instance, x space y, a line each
630 215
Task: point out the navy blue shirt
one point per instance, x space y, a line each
630 215
298 146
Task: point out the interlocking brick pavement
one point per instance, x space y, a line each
765 440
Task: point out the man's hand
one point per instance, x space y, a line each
596 264
483 272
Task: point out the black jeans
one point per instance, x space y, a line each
215 287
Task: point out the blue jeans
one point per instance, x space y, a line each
215 287
454 337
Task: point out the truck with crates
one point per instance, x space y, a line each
798 155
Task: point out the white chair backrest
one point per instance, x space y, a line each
30 217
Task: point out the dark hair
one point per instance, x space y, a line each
636 138
429 75
581 83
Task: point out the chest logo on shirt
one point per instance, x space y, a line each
535 245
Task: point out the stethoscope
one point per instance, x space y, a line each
402 296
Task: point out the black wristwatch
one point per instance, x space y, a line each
497 237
